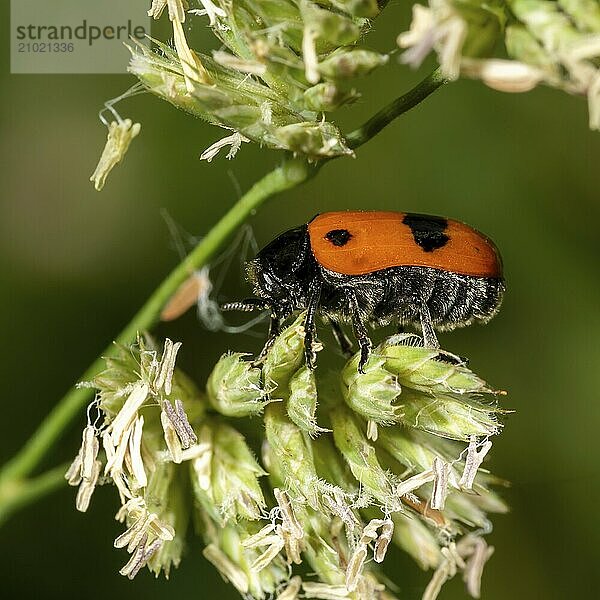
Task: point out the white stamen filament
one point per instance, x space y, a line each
415 482
355 567
193 70
171 439
372 431
128 412
135 454
89 451
212 11
269 554
440 483
290 522
87 487
260 538
234 140
73 474
474 567
164 375
291 590
369 533
324 591
383 541
473 462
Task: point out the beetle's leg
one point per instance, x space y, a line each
252 304
429 338
360 332
274 331
247 305
452 359
314 296
341 338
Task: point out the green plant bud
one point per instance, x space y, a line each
316 140
415 538
416 367
329 26
225 475
120 374
302 402
358 8
167 495
413 449
454 417
326 97
346 64
361 458
138 363
285 355
438 397
372 394
235 387
585 13
292 452
331 466
235 474
163 76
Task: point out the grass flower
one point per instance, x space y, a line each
327 500
556 43
120 134
282 67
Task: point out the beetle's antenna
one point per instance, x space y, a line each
199 289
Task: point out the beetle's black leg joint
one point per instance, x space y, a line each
274 331
309 324
360 332
341 338
452 359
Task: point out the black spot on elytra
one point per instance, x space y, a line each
428 232
338 237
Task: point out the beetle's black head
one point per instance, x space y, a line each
282 270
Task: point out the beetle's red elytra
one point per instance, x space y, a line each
380 240
376 268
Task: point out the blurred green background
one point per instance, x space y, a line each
76 264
